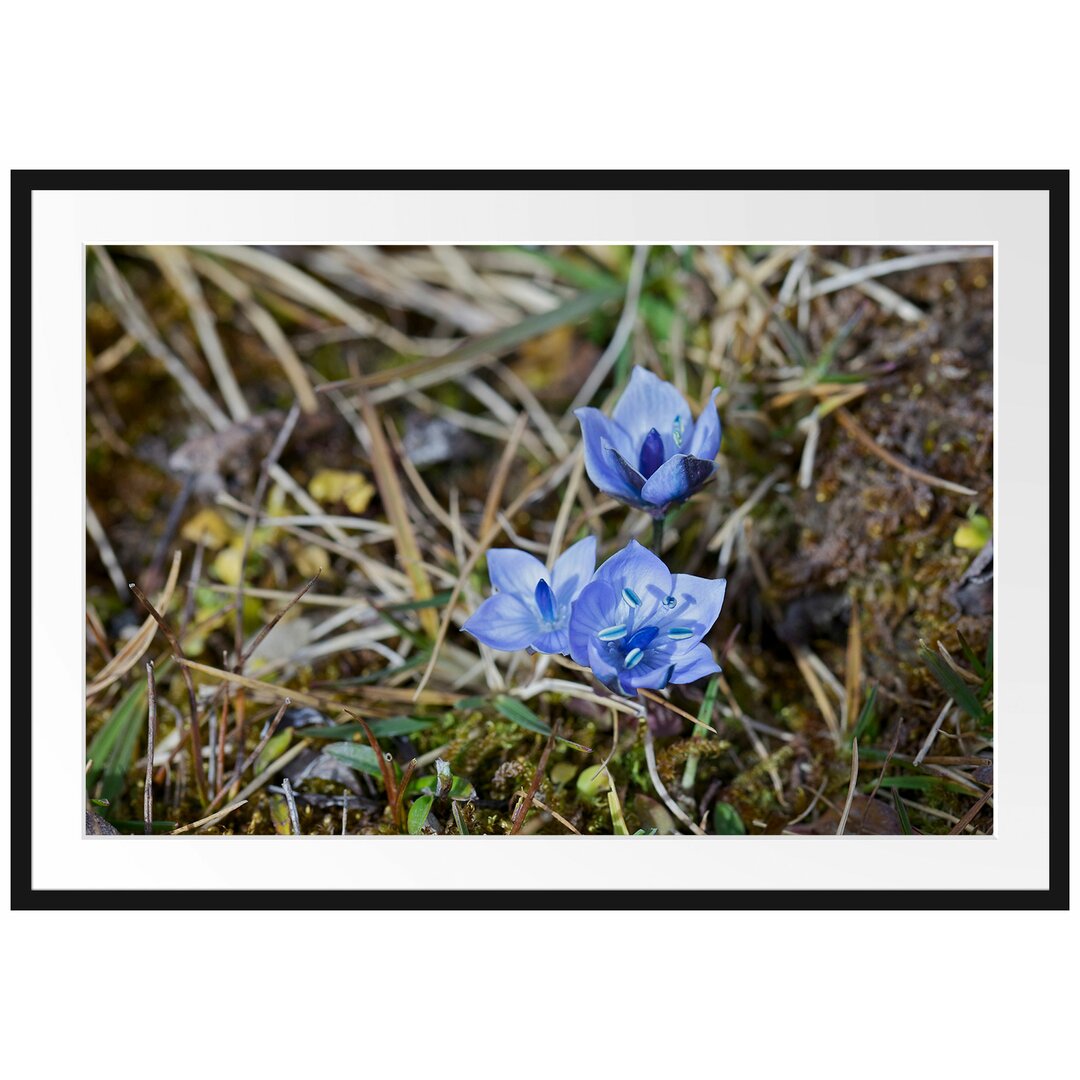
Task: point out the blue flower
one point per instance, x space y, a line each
532 607
650 453
639 626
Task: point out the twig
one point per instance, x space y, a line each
193 583
929 740
275 766
502 473
851 786
105 550
249 529
137 323
93 621
813 802
852 670
174 644
212 819
299 697
261 636
151 735
393 500
969 817
174 264
862 436
733 520
254 757
526 802
485 542
663 701
884 769
290 798
133 651
555 814
559 531
894 266
265 326
654 775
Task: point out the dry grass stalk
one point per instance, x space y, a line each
393 500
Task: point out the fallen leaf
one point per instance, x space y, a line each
209 527
338 486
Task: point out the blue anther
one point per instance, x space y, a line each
631 597
612 633
643 638
652 453
545 600
677 430
633 658
678 633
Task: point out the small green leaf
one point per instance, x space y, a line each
868 716
418 813
901 812
953 685
470 704
708 703
973 534
519 713
113 747
438 600
461 790
969 655
356 756
274 749
726 820
381 729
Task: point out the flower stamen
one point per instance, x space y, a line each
643 638
545 600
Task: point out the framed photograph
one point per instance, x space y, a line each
653 540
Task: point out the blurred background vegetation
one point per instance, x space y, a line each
362 422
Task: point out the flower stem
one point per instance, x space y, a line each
657 534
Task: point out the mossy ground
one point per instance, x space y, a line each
843 563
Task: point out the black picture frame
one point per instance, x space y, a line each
23 701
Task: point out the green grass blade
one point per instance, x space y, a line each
517 712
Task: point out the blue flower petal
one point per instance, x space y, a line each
677 479
552 641
631 481
505 622
596 429
514 571
695 664
595 609
653 673
705 441
697 604
602 664
639 569
650 402
573 570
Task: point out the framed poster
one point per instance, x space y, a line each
629 539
